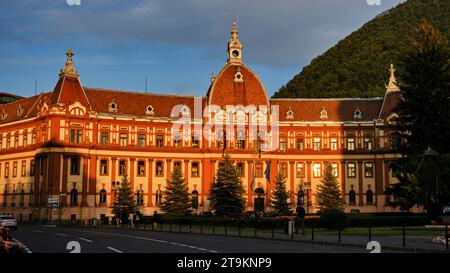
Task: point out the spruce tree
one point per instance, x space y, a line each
227 192
328 191
424 115
280 196
176 199
124 203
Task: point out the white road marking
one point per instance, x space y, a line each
83 239
150 239
40 231
27 250
113 249
60 234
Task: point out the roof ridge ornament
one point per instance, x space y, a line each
235 46
392 86
69 69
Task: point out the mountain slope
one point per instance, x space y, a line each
357 66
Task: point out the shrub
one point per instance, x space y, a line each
333 219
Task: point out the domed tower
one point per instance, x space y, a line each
236 84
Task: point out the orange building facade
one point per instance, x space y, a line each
69 148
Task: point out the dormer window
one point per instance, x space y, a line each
20 110
4 114
238 77
113 107
323 114
185 110
357 114
290 114
149 110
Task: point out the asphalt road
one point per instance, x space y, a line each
42 239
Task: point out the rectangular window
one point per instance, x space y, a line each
283 169
240 144
159 141
177 143
122 167
159 168
15 169
300 144
351 170
25 139
317 170
283 144
350 144
258 169
8 142
334 169
300 169
6 169
32 166
141 140
368 169
75 136
368 144
33 138
16 140
105 138
177 164
333 144
123 139
23 170
317 145
195 169
240 169
75 166
194 142
141 168
1 141
104 167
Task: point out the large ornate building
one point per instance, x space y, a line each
69 148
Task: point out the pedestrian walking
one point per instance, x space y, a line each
130 218
300 219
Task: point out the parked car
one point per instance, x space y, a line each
8 221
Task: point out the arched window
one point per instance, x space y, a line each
31 200
22 198
352 197
369 197
300 197
13 200
74 197
158 195
140 197
194 200
102 196
5 198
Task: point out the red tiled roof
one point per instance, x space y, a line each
132 103
29 109
337 109
225 91
391 101
68 90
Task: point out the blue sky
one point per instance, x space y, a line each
175 43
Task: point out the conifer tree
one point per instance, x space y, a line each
176 199
280 196
328 191
227 192
124 203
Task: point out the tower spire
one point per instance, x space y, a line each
69 69
392 86
235 46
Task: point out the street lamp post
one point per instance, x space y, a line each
430 178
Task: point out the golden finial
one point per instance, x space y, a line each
69 69
392 86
